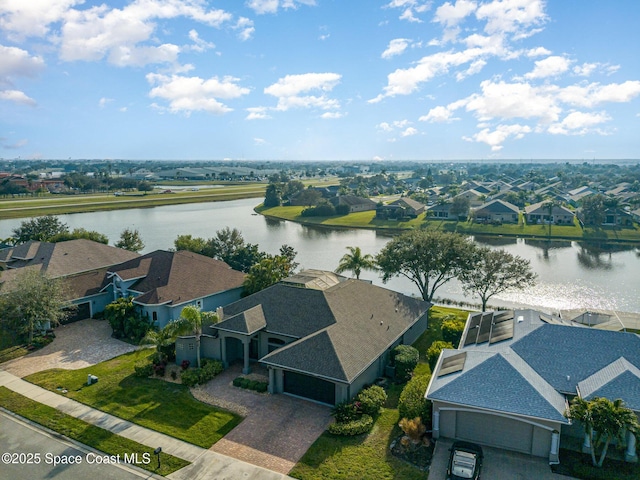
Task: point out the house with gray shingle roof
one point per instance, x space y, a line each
514 373
321 340
544 212
497 211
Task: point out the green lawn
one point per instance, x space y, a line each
86 433
10 346
162 406
578 465
367 456
368 220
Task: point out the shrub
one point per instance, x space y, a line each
343 210
355 427
371 400
143 369
322 210
345 412
452 331
174 374
412 403
254 385
405 359
185 364
199 376
160 369
434 350
413 428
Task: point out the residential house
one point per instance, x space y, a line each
635 215
509 383
441 211
475 198
612 217
163 283
575 196
539 213
355 204
497 211
412 208
82 264
321 336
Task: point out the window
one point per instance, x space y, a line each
154 315
192 346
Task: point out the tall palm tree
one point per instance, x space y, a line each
191 322
355 262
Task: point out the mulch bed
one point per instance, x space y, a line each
419 456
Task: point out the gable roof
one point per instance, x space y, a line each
409 202
502 382
340 330
541 208
498 206
618 376
247 322
64 258
177 277
352 200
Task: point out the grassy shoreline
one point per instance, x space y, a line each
367 220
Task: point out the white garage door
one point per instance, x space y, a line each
494 431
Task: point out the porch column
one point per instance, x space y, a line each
554 457
630 454
586 445
272 381
223 351
436 424
245 343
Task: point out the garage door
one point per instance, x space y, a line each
494 431
309 387
82 311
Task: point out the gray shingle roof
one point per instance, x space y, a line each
247 322
565 356
619 379
340 330
497 206
504 383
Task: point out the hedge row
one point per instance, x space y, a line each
250 384
355 427
200 376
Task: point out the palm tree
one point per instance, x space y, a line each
160 338
191 322
356 262
610 420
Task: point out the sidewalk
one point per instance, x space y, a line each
204 463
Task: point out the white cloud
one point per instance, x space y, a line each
385 127
257 113
538 52
450 15
245 27
288 91
31 18
259 141
271 6
517 17
409 9
578 123
438 114
331 115
586 69
199 45
397 46
16 96
189 94
593 94
104 101
496 138
549 67
410 131
15 62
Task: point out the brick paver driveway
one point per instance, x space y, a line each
277 429
77 345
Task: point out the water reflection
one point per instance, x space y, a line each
547 246
495 241
593 259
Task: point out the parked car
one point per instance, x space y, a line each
465 461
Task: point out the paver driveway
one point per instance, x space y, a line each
77 345
277 429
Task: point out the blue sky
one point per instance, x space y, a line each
320 79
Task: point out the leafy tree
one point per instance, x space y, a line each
80 233
266 273
39 228
610 420
308 197
355 262
190 244
452 329
288 252
33 300
496 271
145 186
191 322
272 197
428 258
593 209
460 206
412 402
246 257
125 319
130 240
225 244
161 339
433 352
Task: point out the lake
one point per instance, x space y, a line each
570 275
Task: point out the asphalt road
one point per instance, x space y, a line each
28 452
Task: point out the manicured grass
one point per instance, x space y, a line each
368 220
578 465
162 406
10 346
361 457
86 433
434 331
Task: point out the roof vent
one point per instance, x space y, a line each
520 318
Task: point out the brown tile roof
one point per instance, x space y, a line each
177 277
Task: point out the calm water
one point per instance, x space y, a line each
569 275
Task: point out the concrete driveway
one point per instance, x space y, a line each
277 429
497 464
77 345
